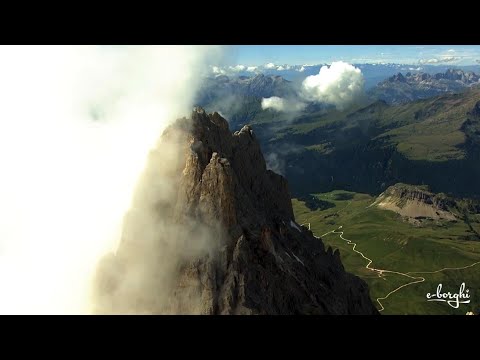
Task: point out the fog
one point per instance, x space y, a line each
76 126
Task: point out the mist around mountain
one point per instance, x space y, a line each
240 98
212 231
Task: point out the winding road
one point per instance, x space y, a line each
381 272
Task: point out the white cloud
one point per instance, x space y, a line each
340 84
449 58
238 68
451 50
251 68
269 66
282 105
440 59
275 163
302 69
428 61
218 70
274 102
284 67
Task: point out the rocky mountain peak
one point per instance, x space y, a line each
256 190
398 77
223 238
454 74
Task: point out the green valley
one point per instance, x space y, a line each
434 141
395 244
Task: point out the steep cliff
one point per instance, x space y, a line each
222 239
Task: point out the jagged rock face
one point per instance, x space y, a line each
258 260
226 174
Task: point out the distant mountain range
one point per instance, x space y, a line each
399 89
239 98
213 88
372 72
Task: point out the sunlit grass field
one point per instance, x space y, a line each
395 244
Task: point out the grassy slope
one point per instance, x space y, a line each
397 245
422 130
438 136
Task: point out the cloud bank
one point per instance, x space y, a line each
76 125
238 68
218 70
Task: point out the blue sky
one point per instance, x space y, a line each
315 54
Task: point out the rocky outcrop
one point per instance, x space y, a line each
228 241
417 202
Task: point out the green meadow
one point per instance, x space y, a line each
397 245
